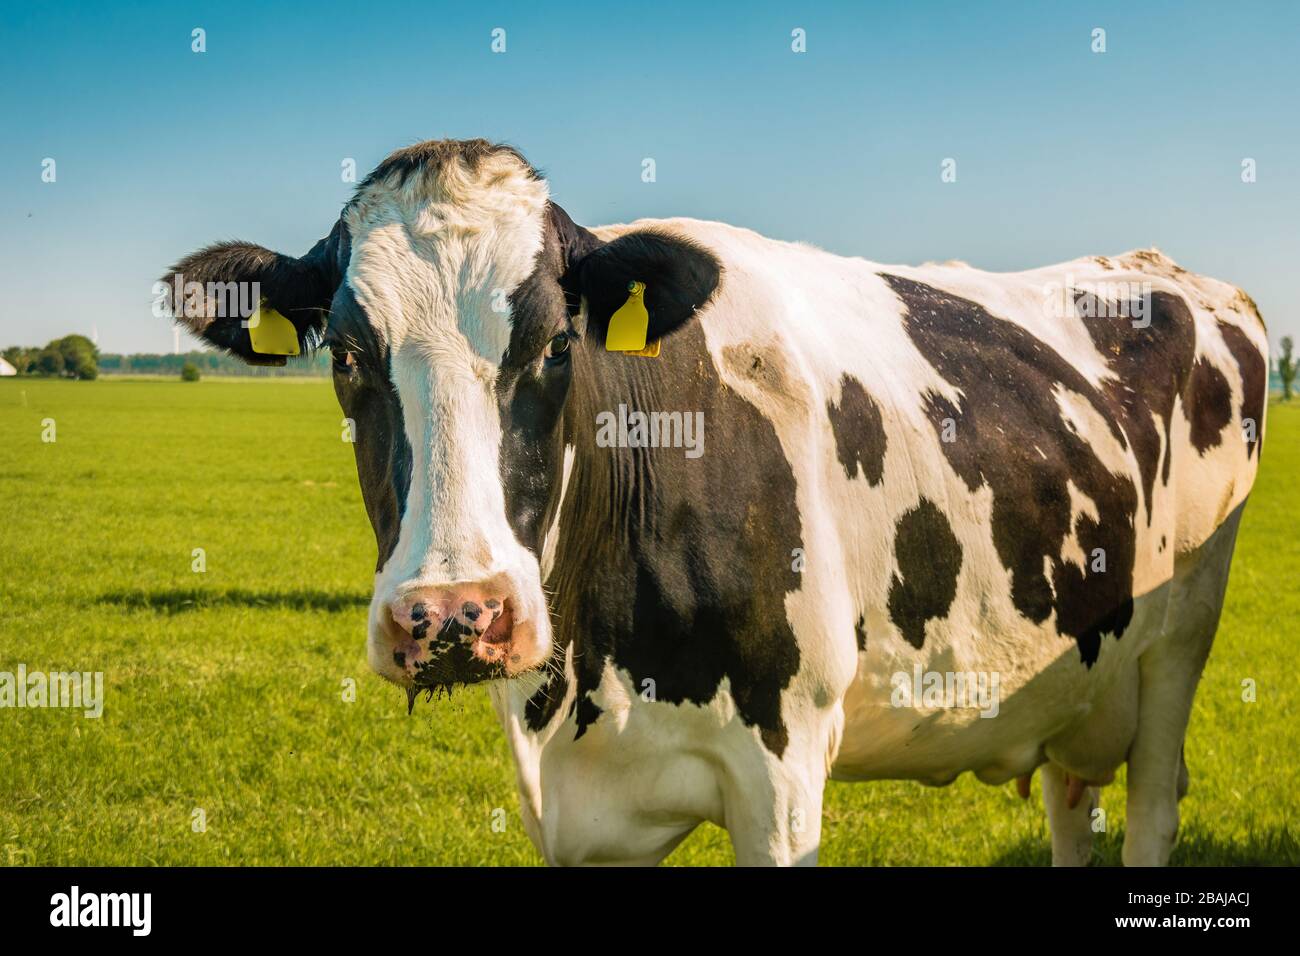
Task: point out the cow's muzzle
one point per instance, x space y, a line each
462 633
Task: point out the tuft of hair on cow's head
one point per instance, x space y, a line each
213 291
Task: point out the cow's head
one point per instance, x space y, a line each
460 306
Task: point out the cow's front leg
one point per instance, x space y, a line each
592 810
637 812
774 818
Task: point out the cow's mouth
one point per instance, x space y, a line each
458 653
453 666
432 639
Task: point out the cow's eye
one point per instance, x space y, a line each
344 362
558 347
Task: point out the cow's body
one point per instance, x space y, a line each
1024 484
803 336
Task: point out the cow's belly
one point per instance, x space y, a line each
1045 704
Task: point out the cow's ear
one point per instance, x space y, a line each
213 293
679 278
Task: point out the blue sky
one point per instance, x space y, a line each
1060 151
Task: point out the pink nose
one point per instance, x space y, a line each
440 618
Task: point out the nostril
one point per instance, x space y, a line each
499 629
418 612
471 611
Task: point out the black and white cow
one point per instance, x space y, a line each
913 487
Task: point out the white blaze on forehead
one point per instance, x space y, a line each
436 255
454 526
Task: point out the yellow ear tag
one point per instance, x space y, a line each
650 351
271 333
629 325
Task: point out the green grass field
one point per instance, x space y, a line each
225 689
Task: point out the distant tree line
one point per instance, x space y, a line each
208 363
73 356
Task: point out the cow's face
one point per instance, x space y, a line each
459 305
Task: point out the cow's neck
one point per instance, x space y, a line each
673 567
614 500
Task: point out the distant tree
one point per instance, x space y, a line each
1286 368
49 362
80 356
189 372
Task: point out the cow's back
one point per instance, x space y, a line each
996 475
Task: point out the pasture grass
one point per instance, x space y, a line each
225 689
